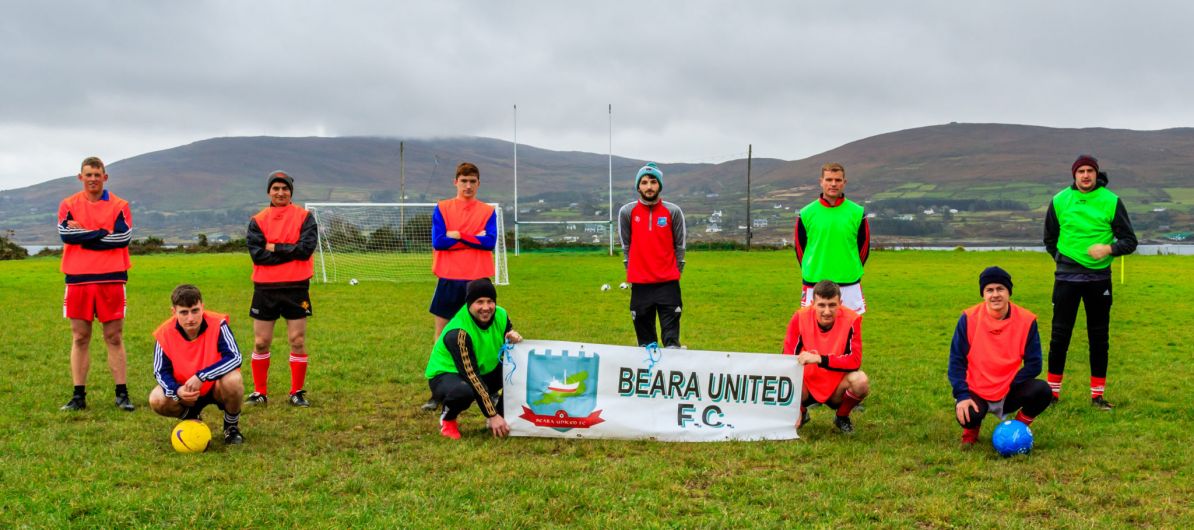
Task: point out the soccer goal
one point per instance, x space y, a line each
384 242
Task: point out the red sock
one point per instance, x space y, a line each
849 401
1097 384
260 365
298 371
1055 384
969 436
1020 417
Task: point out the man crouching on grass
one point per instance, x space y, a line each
197 363
995 358
826 338
464 365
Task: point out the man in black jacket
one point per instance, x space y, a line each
1086 227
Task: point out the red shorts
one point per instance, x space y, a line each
103 301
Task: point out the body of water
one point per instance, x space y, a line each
1142 250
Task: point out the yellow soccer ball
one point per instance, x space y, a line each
190 436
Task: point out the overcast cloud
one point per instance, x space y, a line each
692 81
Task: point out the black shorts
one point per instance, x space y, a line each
207 399
647 295
291 303
449 298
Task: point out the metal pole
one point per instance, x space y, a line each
611 179
402 189
515 181
749 225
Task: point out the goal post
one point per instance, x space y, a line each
384 242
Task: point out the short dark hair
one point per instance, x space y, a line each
93 161
467 168
826 289
186 295
833 167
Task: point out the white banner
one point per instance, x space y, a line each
573 390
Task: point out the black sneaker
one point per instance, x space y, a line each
299 399
804 418
123 403
257 398
843 424
1101 404
75 403
1054 400
431 405
232 435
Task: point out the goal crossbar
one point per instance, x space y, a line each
384 242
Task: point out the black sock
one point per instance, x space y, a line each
81 391
231 420
122 390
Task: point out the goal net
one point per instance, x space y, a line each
384 242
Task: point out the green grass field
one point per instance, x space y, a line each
365 456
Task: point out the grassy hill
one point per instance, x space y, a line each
213 186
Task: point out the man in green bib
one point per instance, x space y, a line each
833 241
464 365
1086 227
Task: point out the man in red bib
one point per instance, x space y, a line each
995 358
197 363
826 338
281 239
96 227
463 236
654 241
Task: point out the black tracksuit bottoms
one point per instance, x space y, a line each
1096 296
457 395
649 299
1032 396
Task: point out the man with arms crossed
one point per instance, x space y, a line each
197 363
653 237
463 235
1086 227
833 241
281 239
96 227
994 359
826 338
465 365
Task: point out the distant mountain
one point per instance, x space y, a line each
212 186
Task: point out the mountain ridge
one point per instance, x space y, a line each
213 185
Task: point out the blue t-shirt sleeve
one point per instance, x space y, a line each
439 232
959 349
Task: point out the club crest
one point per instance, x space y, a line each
561 390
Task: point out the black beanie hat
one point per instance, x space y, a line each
479 288
992 275
279 175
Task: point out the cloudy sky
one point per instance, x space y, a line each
689 81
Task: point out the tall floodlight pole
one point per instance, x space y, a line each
611 179
749 224
515 181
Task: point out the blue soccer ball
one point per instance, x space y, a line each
1012 438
